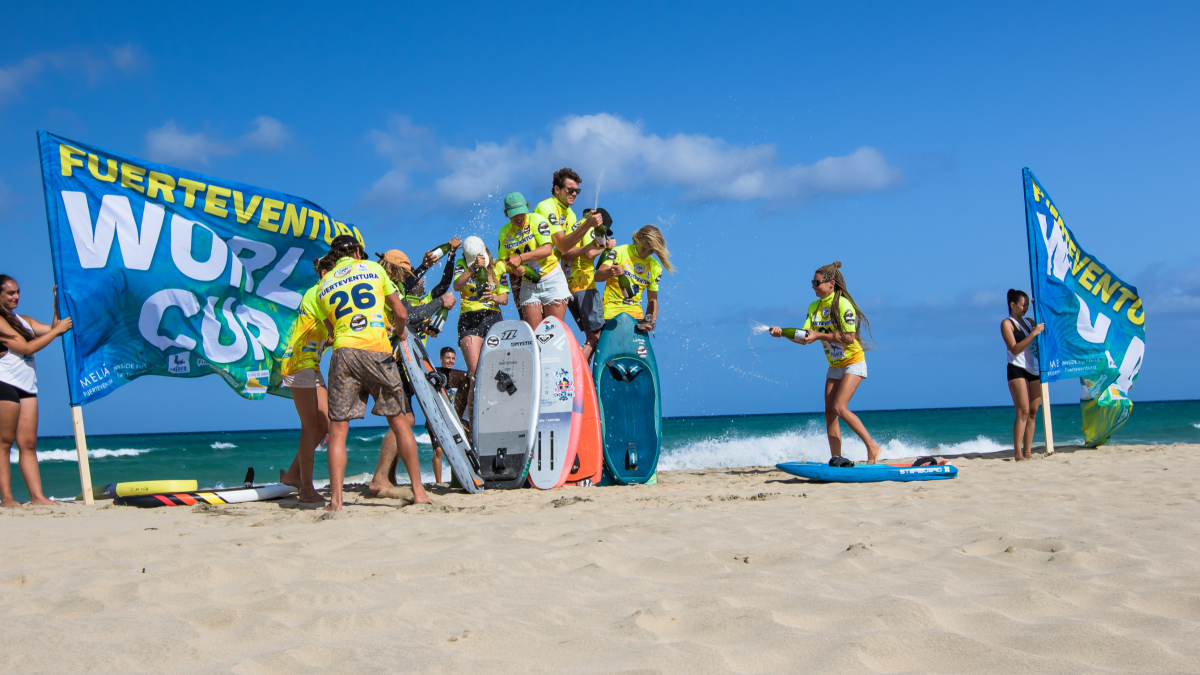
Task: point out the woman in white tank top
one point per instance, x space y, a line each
1024 375
20 338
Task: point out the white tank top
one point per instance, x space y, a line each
1027 359
17 370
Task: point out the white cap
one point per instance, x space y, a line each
472 247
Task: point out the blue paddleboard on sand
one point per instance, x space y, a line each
626 377
867 473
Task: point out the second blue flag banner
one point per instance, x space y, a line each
206 275
1095 321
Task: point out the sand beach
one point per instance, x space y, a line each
1085 561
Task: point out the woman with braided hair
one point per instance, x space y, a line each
833 321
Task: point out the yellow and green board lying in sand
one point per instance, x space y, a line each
145 487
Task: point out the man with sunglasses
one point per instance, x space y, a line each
577 248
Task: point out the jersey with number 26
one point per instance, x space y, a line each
351 297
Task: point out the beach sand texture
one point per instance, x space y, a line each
1086 561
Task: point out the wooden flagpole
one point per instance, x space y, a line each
1046 418
85 471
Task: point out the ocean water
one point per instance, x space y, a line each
220 459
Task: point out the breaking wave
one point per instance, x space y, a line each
806 444
72 456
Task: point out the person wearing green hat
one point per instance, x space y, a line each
528 249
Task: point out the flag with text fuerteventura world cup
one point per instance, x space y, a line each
169 272
1095 322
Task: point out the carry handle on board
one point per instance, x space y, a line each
631 459
504 382
436 379
498 460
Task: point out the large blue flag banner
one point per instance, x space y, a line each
206 275
1095 322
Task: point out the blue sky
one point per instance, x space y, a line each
765 140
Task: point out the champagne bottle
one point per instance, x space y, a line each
533 272
626 286
440 251
438 320
480 280
794 333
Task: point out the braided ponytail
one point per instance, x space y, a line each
833 272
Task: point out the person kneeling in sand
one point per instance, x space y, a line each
352 299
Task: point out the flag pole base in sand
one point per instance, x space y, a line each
1046 418
85 471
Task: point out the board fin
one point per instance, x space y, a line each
249 481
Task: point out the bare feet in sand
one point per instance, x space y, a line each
11 504
41 501
310 496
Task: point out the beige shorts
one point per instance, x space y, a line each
354 375
309 378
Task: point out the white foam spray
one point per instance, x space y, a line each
757 328
806 444
598 181
72 456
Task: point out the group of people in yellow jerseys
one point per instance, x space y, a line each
550 258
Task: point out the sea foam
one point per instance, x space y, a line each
72 456
222 446
806 444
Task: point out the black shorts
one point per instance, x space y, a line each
1019 373
477 323
14 394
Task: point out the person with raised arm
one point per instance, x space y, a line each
833 320
1024 373
20 338
577 254
528 248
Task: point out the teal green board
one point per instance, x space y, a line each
626 377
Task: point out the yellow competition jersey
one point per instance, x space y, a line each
473 291
537 231
819 320
351 298
307 339
642 273
581 274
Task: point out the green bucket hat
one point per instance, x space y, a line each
514 204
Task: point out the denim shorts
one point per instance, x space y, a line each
859 369
549 290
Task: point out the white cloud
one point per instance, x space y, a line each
1171 292
699 167
269 134
170 143
94 66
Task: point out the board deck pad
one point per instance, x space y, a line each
589 449
440 416
868 473
630 402
559 417
507 389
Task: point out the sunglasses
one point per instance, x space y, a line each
572 191
818 282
